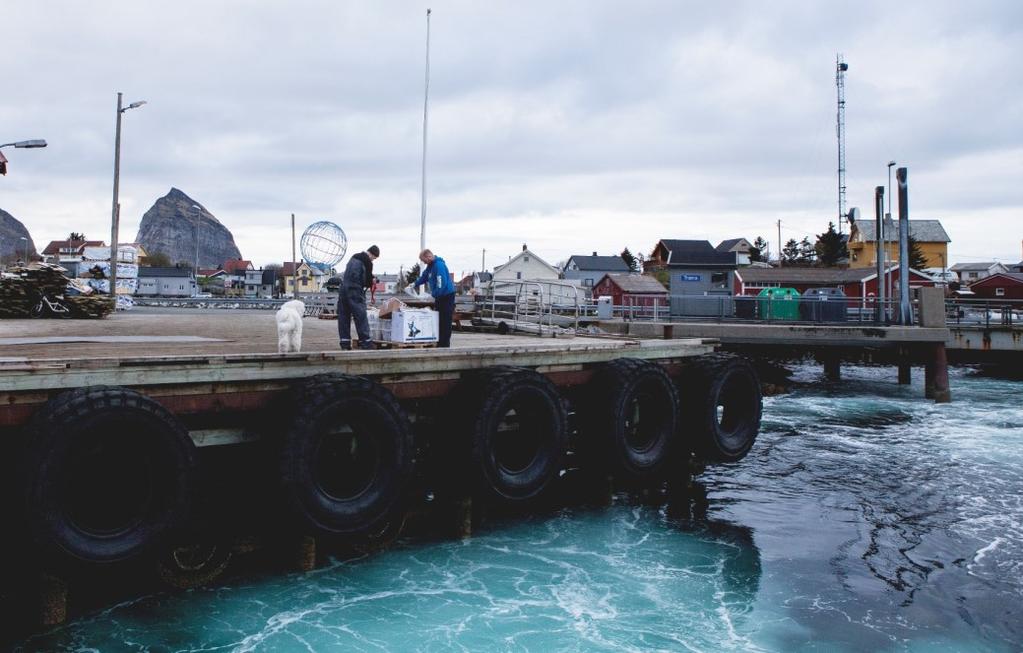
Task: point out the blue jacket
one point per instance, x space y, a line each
436 277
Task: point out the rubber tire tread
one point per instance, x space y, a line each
488 390
49 433
604 439
311 506
700 386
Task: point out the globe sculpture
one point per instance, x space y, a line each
324 244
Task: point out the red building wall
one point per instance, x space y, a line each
987 287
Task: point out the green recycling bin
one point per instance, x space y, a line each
779 304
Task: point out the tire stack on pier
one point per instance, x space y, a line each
119 476
22 290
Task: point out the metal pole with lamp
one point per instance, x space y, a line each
198 214
889 236
115 212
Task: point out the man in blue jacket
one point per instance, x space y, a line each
438 280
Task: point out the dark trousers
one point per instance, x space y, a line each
445 305
351 304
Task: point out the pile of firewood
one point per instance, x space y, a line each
22 288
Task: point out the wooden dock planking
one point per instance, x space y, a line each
201 377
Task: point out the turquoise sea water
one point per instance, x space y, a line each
865 519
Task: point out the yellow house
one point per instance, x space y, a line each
929 235
309 278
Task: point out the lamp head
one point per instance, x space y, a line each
36 142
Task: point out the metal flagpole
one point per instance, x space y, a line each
426 101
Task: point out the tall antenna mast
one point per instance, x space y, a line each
840 68
426 100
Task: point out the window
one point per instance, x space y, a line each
305 282
518 275
1000 292
718 277
526 259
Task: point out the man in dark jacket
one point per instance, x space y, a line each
351 300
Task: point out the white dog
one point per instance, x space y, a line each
289 327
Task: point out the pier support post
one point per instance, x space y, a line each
936 385
832 368
53 592
305 553
462 518
905 367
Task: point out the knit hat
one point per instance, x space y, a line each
374 250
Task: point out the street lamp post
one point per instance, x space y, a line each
32 144
115 212
198 213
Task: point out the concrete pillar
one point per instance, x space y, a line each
53 593
905 369
832 368
929 379
942 391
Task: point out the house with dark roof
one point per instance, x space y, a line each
166 282
700 278
971 272
740 246
929 235
589 269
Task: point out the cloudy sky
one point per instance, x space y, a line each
571 126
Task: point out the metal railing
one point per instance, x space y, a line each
984 312
532 302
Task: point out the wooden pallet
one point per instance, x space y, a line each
386 344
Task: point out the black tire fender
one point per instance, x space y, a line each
107 474
516 427
347 455
721 407
630 418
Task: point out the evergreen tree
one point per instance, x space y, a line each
807 254
790 252
760 251
917 259
74 235
158 260
630 260
831 247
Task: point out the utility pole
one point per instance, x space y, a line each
779 244
484 264
294 263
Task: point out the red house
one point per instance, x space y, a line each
1004 285
632 290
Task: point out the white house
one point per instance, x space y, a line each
970 272
527 273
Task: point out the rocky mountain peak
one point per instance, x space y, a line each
12 247
169 227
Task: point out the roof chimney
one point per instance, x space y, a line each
523 247
594 253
